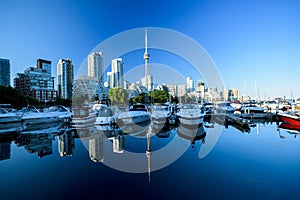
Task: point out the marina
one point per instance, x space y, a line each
72 154
149 100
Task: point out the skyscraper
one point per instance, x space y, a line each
181 90
4 72
147 81
109 79
117 68
189 84
201 89
44 64
95 65
65 78
85 85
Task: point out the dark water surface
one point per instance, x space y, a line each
262 163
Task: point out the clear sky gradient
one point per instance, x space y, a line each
248 40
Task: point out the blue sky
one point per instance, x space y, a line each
248 40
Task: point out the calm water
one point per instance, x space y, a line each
56 162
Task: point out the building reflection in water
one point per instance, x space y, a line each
5 150
5 144
40 143
98 139
118 143
96 148
66 144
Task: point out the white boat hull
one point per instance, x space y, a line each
252 110
9 118
80 122
105 120
191 121
160 121
40 120
191 117
133 117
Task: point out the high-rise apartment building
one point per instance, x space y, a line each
172 89
65 78
201 89
181 90
44 64
85 85
4 72
189 84
36 82
95 65
109 79
236 93
117 70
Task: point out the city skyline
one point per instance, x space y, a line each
115 78
253 43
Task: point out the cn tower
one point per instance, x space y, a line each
146 55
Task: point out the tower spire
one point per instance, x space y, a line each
146 41
146 54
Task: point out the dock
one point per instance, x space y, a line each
268 116
242 120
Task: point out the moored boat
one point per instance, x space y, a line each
83 117
236 104
160 115
105 116
8 117
251 108
225 107
190 114
291 118
53 114
137 114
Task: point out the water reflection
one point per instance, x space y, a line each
66 144
39 138
5 145
96 148
290 128
36 142
192 133
243 156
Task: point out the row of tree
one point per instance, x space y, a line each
9 95
118 96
